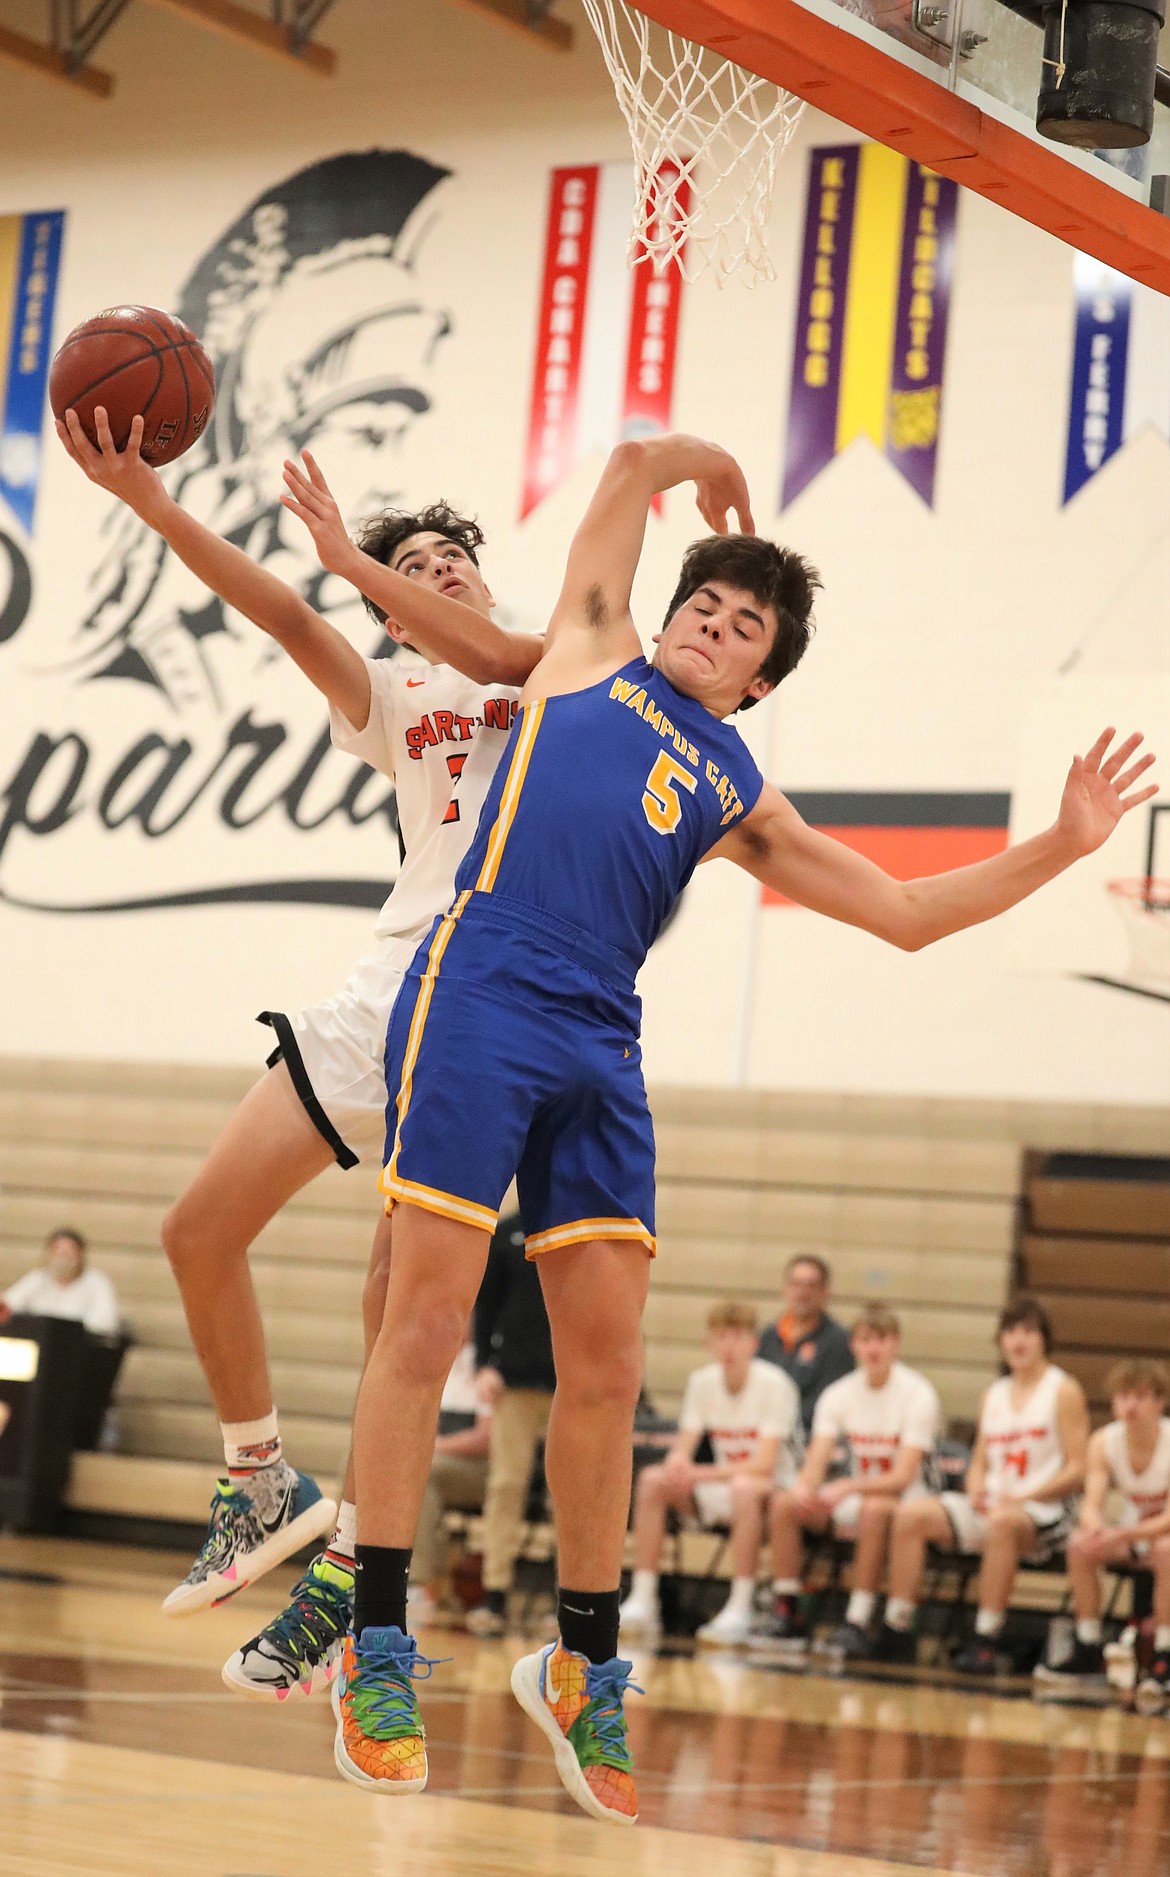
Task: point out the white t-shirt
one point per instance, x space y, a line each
90 1299
1145 1495
874 1422
1022 1444
459 1396
439 738
766 1407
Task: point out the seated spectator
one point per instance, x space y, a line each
457 1479
750 1413
887 1417
1130 1458
515 1381
1029 1460
805 1341
64 1286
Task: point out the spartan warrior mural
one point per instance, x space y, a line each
312 309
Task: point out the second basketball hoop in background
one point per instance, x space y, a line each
707 138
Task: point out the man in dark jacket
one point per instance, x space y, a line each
805 1341
515 1377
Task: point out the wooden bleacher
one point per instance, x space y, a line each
913 1201
1095 1247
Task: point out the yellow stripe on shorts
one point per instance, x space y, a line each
431 1199
582 1230
510 798
422 1004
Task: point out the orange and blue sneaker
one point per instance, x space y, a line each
577 1704
381 1742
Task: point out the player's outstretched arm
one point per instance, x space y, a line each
603 559
779 848
445 629
325 655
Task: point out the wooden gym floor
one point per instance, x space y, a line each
122 1753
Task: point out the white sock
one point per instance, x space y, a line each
644 1588
1088 1629
742 1591
988 1623
786 1586
1162 1637
248 1446
859 1609
345 1537
899 1613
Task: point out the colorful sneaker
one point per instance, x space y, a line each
302 1647
381 1742
577 1705
1080 1675
250 1530
848 1643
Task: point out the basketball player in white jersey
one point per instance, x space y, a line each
1130 1458
887 1418
438 735
1029 1460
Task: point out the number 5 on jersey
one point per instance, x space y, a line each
660 800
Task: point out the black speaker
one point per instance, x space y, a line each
1099 71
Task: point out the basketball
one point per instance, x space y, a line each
136 361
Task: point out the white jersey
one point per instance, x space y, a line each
1022 1444
1145 1494
438 737
876 1422
90 1299
766 1407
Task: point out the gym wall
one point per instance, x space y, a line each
158 763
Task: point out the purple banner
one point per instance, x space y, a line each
1100 357
820 320
920 327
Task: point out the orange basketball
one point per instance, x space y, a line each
136 361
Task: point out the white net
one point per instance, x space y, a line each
707 137
1145 907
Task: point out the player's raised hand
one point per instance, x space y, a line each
718 496
122 472
307 495
1100 790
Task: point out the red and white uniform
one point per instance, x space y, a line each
874 1423
735 1424
438 737
1023 1452
1144 1495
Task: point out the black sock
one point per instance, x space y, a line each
496 1601
379 1598
588 1622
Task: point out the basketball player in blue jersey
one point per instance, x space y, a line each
514 1046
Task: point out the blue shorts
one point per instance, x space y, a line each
513 1048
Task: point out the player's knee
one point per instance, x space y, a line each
913 1516
427 1341
612 1377
745 1493
1078 1546
374 1298
651 1483
875 1511
187 1239
1160 1553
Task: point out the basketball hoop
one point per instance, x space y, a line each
1145 907
707 137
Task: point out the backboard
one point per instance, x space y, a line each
953 84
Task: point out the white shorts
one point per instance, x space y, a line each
1053 1519
713 1502
335 1052
846 1515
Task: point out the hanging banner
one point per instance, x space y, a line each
30 255
1120 369
870 345
607 335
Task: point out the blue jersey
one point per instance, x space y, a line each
603 804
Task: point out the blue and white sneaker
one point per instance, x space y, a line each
251 1529
302 1647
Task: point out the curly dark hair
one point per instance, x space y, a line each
383 535
778 577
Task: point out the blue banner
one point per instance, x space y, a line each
1100 353
28 316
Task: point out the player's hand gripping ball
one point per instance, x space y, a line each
136 360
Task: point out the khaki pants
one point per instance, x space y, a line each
519 1420
455 1483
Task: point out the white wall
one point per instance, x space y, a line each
941 634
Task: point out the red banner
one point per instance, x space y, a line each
653 338
560 333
